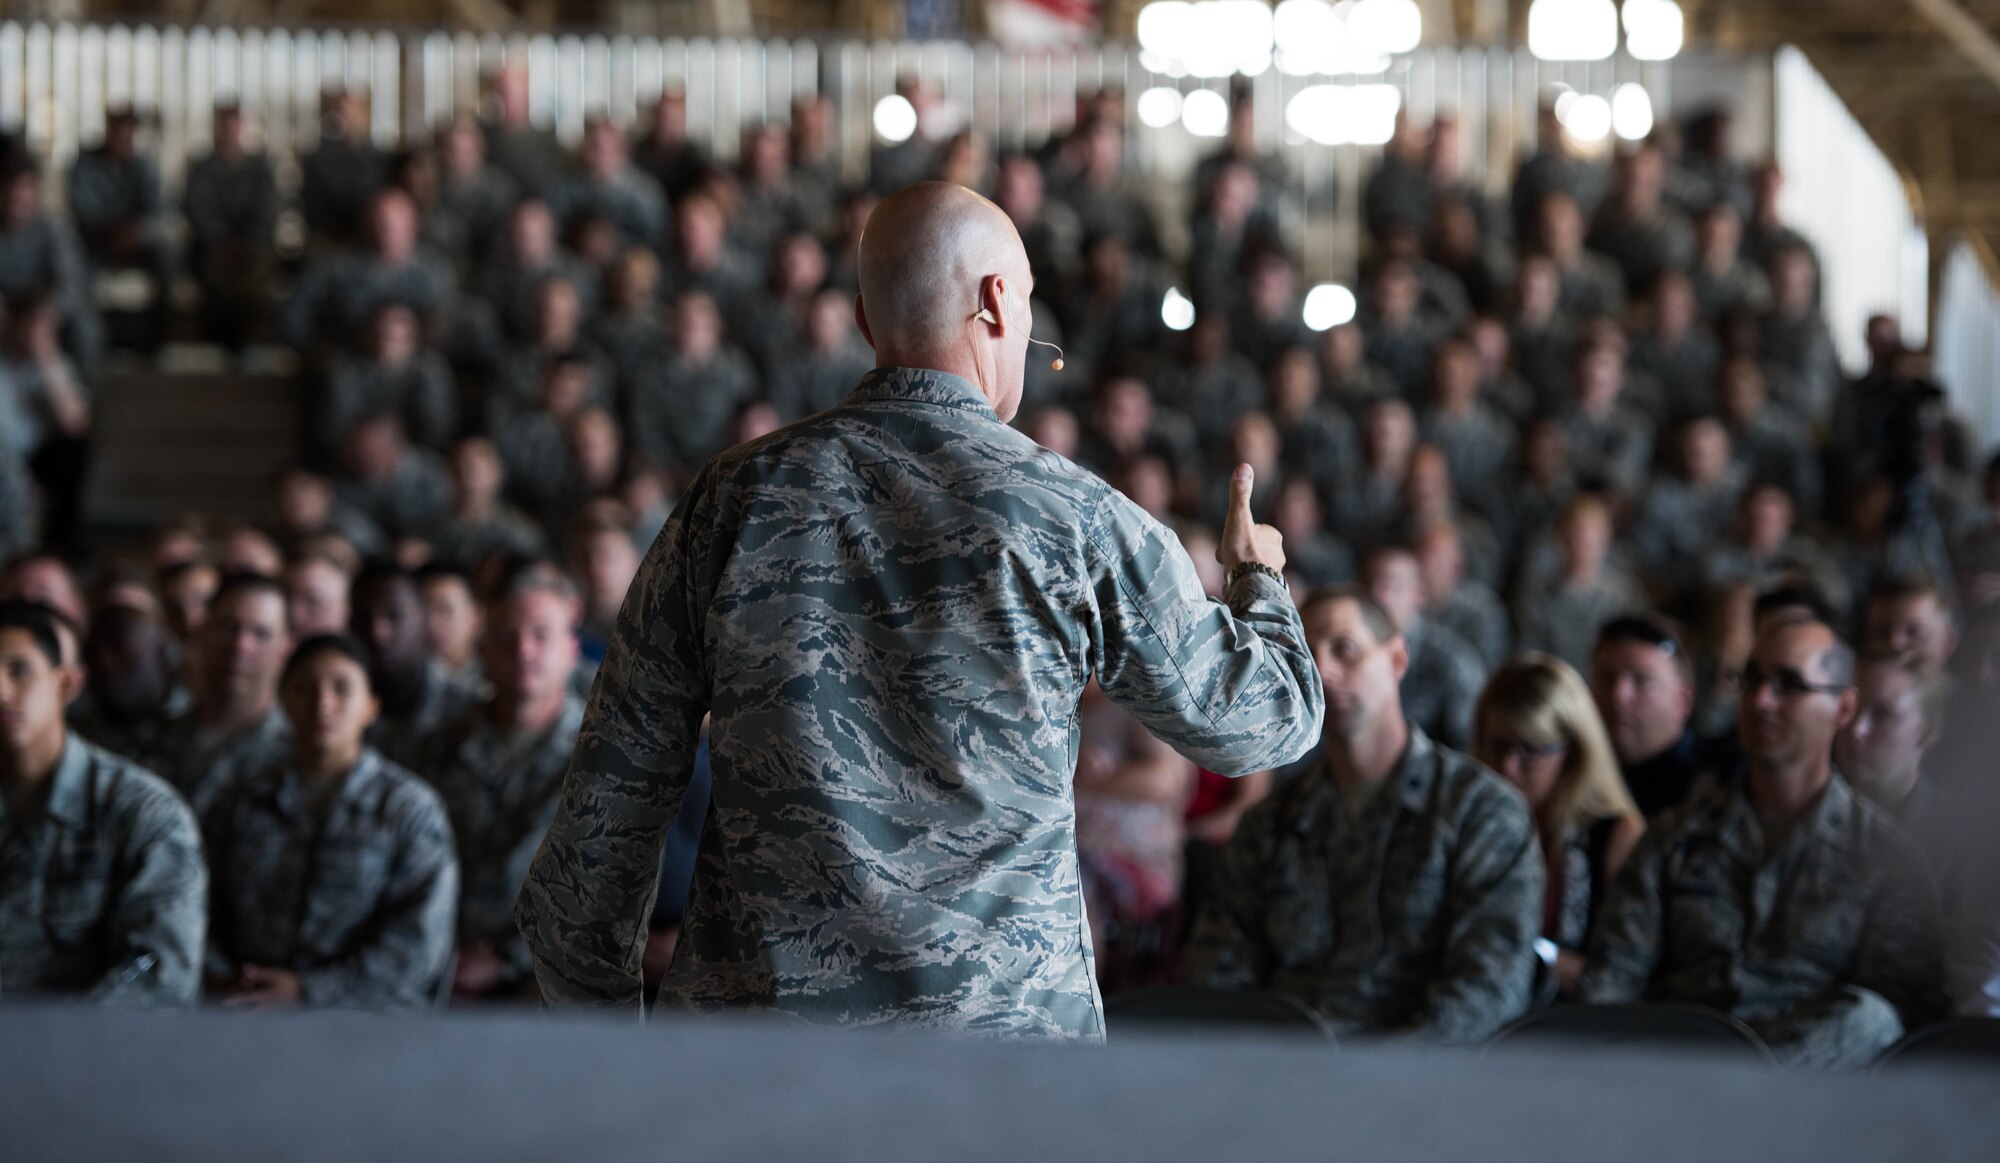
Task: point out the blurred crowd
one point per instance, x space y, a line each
1581 471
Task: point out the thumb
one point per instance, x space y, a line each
1240 485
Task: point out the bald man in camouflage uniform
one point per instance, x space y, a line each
892 610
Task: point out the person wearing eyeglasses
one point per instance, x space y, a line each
1786 899
1396 886
1537 728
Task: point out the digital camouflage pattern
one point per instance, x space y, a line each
1440 690
407 738
892 610
103 893
1418 917
200 762
359 904
500 793
1828 947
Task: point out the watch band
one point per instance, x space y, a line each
1244 568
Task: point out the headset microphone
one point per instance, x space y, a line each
1055 365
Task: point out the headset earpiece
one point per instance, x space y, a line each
985 315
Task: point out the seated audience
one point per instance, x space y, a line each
1561 615
414 695
1442 672
333 875
103 890
131 666
1537 728
235 726
1785 900
1396 886
499 768
453 620
1643 683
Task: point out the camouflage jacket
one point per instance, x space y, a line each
407 739
1441 688
891 609
103 893
1418 917
200 762
359 905
501 794
1703 913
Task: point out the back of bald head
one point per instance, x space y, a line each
924 253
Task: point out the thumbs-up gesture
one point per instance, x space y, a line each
1243 539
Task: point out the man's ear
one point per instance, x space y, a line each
993 303
1399 656
1850 705
861 320
72 679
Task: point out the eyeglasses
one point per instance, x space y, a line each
1786 683
1513 750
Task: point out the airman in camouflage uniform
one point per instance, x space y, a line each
360 906
500 769
420 698
334 879
1818 927
892 610
1404 900
235 727
103 892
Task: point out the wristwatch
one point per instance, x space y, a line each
1244 568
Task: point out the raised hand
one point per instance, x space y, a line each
1243 539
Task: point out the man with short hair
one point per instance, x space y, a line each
1643 682
131 667
103 893
336 295
453 620
500 769
115 201
418 696
231 204
1899 712
1560 615
1785 900
1460 603
402 489
1442 672
317 597
235 726
1397 885
1910 614
607 183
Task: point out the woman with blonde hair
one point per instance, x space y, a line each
1535 724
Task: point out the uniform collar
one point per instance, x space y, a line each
1410 781
69 784
921 386
360 780
1829 815
1825 819
1417 770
